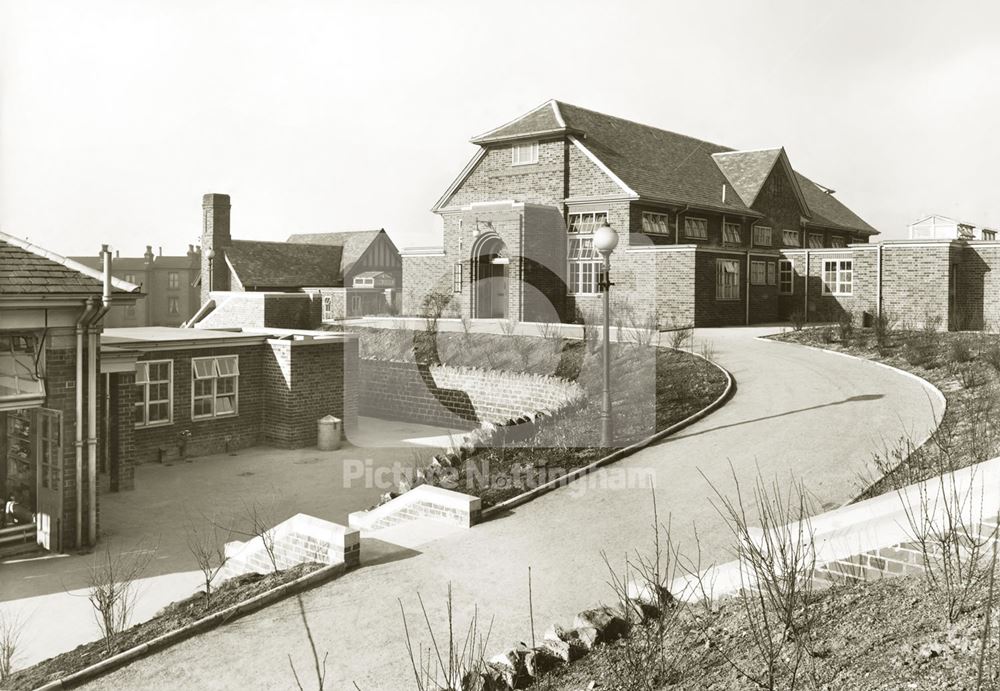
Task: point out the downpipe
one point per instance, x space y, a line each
81 325
93 345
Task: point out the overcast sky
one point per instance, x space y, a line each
115 117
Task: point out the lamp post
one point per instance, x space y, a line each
211 259
605 241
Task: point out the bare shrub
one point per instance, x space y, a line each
11 628
845 328
707 350
968 376
991 356
798 319
680 337
432 307
959 350
883 328
777 564
507 326
826 334
552 334
524 346
466 322
319 666
256 521
949 525
454 663
207 545
111 583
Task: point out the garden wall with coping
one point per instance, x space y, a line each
424 502
457 397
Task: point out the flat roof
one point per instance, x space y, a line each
161 335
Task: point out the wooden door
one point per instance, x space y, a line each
48 460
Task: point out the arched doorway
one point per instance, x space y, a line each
490 261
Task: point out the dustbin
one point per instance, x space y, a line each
328 434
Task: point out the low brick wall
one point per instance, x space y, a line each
456 397
424 502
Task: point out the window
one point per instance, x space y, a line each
761 235
816 240
173 306
586 223
456 278
130 278
771 274
656 224
989 234
523 154
838 277
731 234
727 279
20 370
214 386
154 381
786 284
837 242
586 266
790 238
173 280
696 228
328 308
758 273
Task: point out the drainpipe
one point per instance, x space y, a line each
677 223
92 347
78 441
747 316
878 281
805 292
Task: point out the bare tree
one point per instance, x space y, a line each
112 578
207 545
11 627
259 520
319 667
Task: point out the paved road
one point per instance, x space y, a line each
797 412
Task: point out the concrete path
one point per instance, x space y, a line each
796 412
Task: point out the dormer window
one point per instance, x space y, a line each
524 154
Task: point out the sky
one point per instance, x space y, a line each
117 116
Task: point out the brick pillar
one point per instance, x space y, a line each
122 443
215 237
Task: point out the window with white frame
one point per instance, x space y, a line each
837 242
727 279
816 240
585 265
786 274
214 386
524 153
154 381
130 278
585 223
173 306
655 224
456 278
761 236
790 238
838 277
173 280
696 228
772 274
731 234
758 273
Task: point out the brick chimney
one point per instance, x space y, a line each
215 238
148 256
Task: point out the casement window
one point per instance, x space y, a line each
731 234
786 274
838 277
772 274
154 396
758 273
173 280
816 240
524 153
761 236
837 242
790 238
696 228
214 386
727 279
456 278
173 306
328 308
585 223
655 224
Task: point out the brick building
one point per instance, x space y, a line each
300 283
702 227
169 283
51 318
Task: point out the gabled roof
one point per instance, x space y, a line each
284 265
26 269
664 166
354 243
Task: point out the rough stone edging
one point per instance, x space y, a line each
546 487
927 385
199 626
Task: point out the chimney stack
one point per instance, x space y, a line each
215 238
148 256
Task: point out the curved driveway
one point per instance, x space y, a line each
796 411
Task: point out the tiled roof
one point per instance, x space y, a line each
26 269
354 243
747 170
665 166
284 264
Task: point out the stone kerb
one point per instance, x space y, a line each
424 502
301 538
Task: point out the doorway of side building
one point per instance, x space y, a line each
490 262
31 476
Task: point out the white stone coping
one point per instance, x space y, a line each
421 494
340 538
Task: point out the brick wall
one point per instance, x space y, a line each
304 381
978 297
453 397
915 280
210 435
60 394
495 178
121 469
264 310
